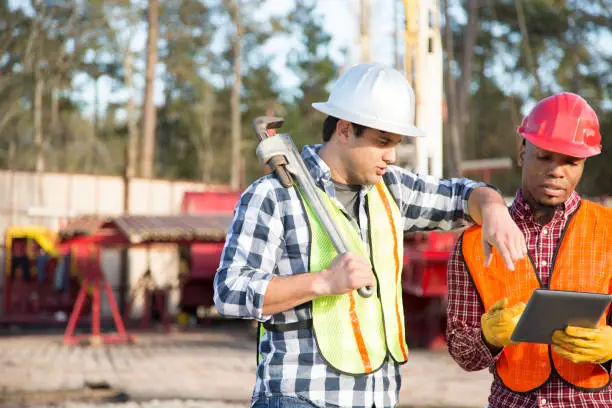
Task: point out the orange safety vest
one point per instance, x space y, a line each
583 262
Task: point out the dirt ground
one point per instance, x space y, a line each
209 368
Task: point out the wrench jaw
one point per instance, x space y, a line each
262 124
278 163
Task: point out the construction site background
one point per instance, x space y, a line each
142 90
54 199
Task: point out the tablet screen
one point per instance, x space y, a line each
550 310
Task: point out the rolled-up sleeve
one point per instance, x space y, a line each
464 309
429 203
251 252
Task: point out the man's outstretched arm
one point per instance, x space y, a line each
429 203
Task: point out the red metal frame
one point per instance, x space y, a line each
95 277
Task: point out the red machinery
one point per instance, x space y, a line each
424 286
50 293
132 231
200 234
199 261
40 280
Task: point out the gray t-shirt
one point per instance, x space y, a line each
348 195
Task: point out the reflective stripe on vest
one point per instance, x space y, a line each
583 262
354 334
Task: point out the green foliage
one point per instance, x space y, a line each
70 46
315 69
563 39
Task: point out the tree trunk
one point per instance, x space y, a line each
90 165
364 30
54 113
149 117
38 130
454 139
396 30
202 141
574 48
96 107
132 148
469 43
531 64
207 148
39 165
236 44
12 148
5 118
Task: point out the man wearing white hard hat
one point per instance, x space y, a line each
321 344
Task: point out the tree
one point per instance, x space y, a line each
123 20
458 86
237 166
312 64
149 119
190 99
525 51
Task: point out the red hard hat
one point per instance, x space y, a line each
563 123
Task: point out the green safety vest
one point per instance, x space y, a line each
354 334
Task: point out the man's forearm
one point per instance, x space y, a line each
284 293
480 199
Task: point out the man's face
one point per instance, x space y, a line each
548 178
366 157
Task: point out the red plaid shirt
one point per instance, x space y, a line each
465 341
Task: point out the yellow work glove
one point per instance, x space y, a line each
499 322
581 345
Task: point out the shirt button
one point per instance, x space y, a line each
543 401
544 263
544 231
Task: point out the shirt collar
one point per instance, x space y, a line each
320 171
521 209
318 168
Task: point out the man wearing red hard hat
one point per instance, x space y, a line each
569 242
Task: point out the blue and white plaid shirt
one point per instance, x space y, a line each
269 236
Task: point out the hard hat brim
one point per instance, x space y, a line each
556 146
369 121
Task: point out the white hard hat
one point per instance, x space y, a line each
375 96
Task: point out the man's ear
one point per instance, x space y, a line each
520 157
343 129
